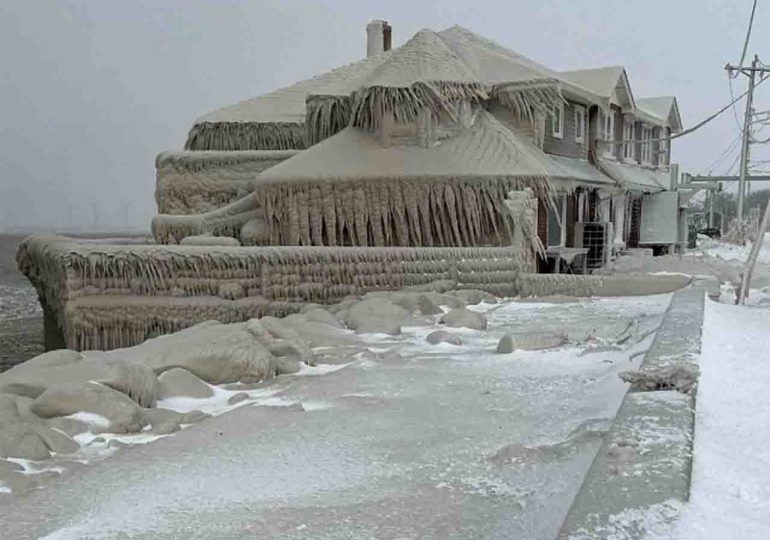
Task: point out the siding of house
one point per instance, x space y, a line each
566 146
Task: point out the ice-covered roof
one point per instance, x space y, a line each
605 82
455 55
486 148
663 108
288 104
567 173
425 57
636 178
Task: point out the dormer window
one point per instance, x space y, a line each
628 135
557 121
580 123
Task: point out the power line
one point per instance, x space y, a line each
732 96
732 146
692 129
733 164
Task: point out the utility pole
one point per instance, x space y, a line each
750 72
746 143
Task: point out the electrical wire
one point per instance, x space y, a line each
732 97
733 164
689 130
732 146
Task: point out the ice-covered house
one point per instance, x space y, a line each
564 121
449 158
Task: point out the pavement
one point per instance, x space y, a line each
409 441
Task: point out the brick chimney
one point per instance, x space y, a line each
378 37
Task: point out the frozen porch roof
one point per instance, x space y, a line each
635 178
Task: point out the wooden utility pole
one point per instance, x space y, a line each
745 147
752 260
750 72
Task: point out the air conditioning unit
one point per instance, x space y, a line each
597 237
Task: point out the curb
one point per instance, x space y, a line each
646 457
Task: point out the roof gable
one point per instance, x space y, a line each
663 108
610 83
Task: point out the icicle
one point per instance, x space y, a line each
361 219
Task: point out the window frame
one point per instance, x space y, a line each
608 131
561 204
557 133
646 139
663 146
629 148
580 134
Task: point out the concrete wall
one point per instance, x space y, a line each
646 458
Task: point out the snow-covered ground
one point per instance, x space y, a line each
730 495
410 440
733 252
730 490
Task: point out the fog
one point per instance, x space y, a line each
91 91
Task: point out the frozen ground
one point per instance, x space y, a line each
732 252
730 491
731 471
408 441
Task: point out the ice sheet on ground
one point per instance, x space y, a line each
391 444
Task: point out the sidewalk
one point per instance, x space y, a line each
730 492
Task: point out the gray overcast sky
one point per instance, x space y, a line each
92 90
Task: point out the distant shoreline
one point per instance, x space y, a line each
76 232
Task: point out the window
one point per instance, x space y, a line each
646 144
580 123
557 231
628 135
557 121
608 132
663 148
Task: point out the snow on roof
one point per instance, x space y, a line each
491 62
636 178
471 58
664 108
425 57
601 81
575 170
487 148
604 82
288 104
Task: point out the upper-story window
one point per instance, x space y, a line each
608 132
580 123
663 147
646 144
557 121
628 136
